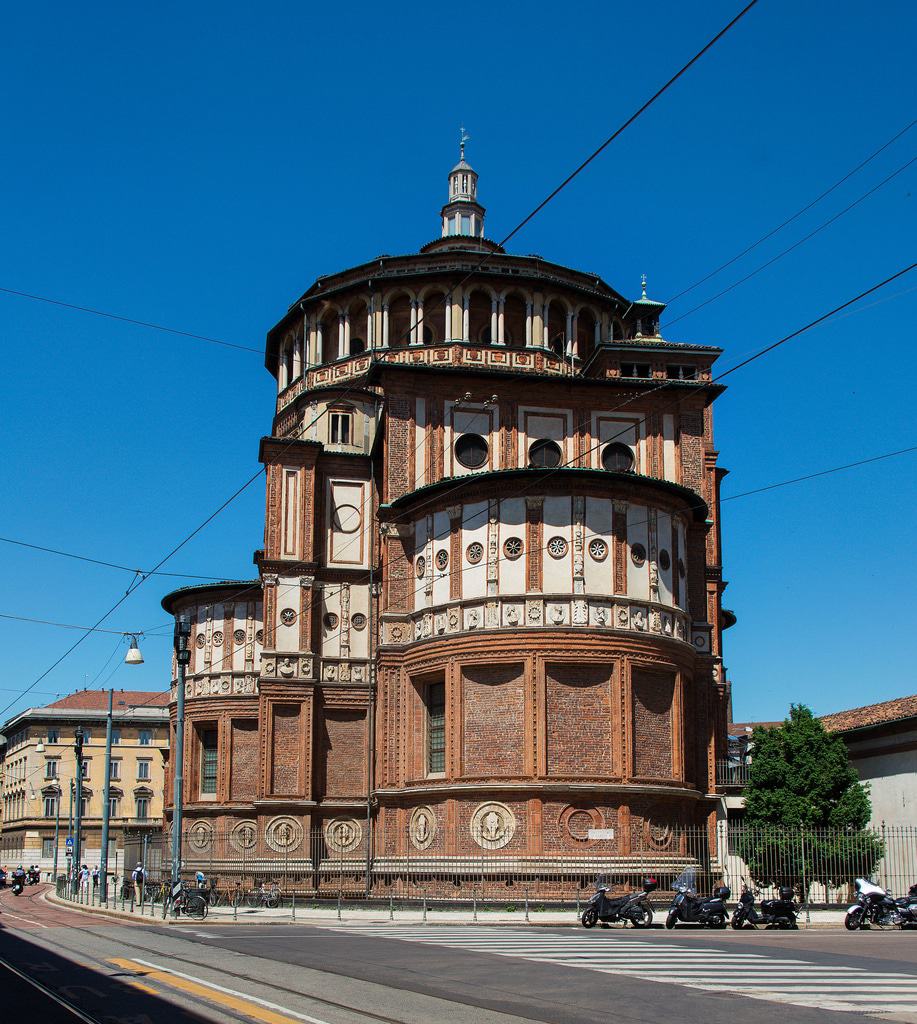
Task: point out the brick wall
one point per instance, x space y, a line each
245 759
287 750
494 720
652 724
579 724
343 753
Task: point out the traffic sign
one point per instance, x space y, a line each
69 842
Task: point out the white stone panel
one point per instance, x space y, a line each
474 531
557 572
599 574
359 605
420 430
331 631
512 525
669 463
441 543
290 513
638 577
683 580
287 636
467 420
544 424
629 430
238 650
664 540
348 541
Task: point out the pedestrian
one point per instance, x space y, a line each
137 877
95 877
84 879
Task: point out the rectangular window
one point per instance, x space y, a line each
143 771
436 727
115 774
209 761
51 769
466 224
113 804
84 807
50 806
146 737
87 765
681 372
143 808
115 736
47 849
635 369
54 735
341 427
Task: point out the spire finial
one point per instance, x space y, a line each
643 284
463 138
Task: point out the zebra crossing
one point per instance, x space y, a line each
730 971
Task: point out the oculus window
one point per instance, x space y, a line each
544 454
617 458
471 451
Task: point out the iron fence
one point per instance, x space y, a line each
322 865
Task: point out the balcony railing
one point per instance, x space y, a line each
732 774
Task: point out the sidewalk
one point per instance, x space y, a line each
307 913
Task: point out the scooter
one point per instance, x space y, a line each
634 907
33 876
875 905
690 908
18 885
779 913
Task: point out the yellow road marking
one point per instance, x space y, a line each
212 994
143 988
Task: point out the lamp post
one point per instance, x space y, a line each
106 807
78 806
182 659
56 832
70 834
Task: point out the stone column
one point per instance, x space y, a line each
501 326
493 321
385 325
466 316
528 325
341 351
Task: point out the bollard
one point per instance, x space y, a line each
339 905
474 905
132 903
578 913
235 909
526 904
425 910
391 908
294 905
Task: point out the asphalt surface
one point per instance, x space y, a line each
109 972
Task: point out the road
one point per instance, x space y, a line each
113 972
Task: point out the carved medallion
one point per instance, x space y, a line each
421 567
343 834
243 836
239 636
259 636
442 559
200 835
598 549
638 554
288 616
492 826
284 834
576 822
557 547
512 548
422 828
200 640
358 621
474 553
218 638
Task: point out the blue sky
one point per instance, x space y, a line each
199 165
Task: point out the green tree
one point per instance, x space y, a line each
805 808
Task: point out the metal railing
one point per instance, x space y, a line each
732 774
820 864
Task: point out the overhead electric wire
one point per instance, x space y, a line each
789 249
67 625
128 320
795 216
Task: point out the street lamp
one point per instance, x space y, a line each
78 806
133 657
182 659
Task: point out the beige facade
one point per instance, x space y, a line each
39 768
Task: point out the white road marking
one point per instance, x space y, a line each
755 975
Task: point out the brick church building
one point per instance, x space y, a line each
488 606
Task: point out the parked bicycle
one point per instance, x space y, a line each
266 895
188 902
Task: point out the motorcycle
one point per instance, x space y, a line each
690 908
33 876
18 885
779 913
634 907
877 906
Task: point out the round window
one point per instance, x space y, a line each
358 621
474 552
512 548
544 454
665 561
330 620
557 547
638 554
617 458
471 450
598 549
442 559
288 616
421 567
